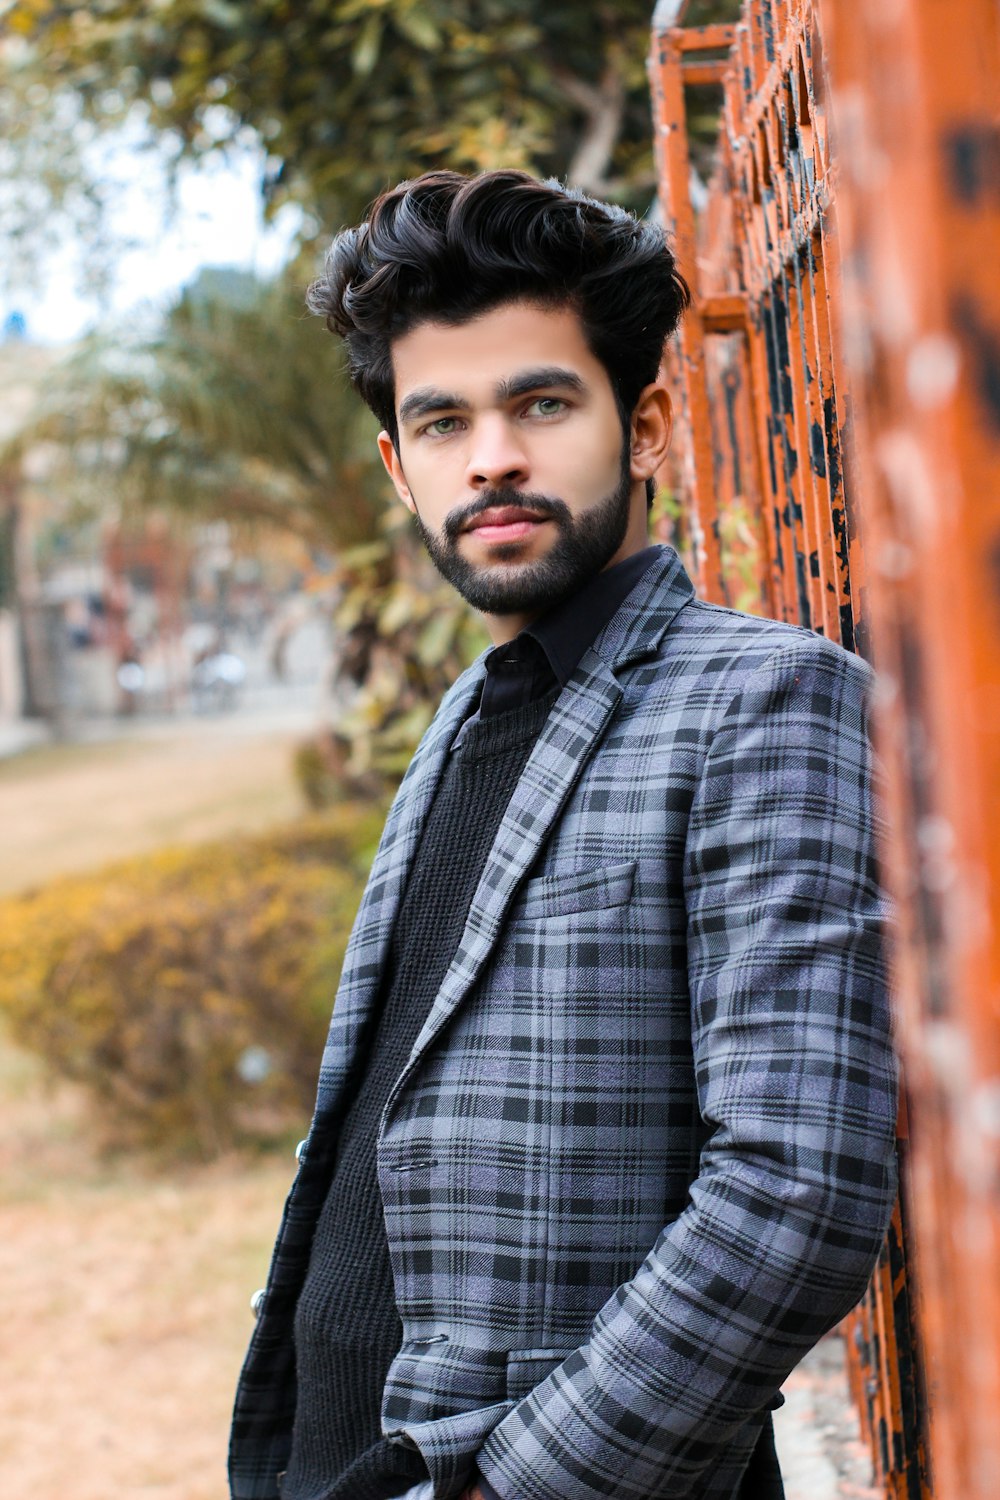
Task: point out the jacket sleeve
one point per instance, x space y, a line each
796 1084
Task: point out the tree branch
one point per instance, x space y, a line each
603 107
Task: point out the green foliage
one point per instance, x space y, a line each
47 174
238 406
190 990
348 95
740 553
739 545
345 96
668 522
404 636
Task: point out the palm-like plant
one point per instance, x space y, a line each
237 407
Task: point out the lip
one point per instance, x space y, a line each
505 523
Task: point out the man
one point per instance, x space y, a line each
603 1140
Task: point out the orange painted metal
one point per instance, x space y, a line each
766 516
915 91
675 167
838 393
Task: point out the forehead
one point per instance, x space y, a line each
474 359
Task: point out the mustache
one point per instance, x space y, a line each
547 507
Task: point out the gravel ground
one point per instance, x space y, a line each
817 1434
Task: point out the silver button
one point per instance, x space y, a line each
257 1300
300 1148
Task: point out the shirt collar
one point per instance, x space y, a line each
565 632
545 654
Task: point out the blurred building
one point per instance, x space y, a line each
104 613
23 369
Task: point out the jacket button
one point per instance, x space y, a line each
403 1439
257 1300
300 1149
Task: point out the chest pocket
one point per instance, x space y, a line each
562 895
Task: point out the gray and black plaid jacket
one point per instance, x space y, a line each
641 1156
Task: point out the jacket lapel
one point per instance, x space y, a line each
573 730
368 948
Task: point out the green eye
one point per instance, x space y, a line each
444 426
548 406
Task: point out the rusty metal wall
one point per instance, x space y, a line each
762 416
837 464
915 93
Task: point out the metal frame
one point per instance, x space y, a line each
767 433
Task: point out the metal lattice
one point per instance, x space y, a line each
771 485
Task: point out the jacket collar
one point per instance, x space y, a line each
637 629
565 632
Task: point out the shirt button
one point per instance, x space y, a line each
257 1300
300 1149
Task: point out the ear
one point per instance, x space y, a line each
652 425
394 469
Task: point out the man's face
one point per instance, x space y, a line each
512 458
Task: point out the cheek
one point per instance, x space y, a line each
429 488
592 461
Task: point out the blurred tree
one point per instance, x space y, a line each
238 407
245 409
46 174
350 95
234 406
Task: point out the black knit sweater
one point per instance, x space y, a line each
347 1328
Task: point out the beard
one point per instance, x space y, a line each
504 586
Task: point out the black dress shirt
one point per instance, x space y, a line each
546 652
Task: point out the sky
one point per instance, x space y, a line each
217 221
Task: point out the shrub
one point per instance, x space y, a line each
190 989
402 637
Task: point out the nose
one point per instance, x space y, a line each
495 455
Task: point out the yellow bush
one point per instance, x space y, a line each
190 989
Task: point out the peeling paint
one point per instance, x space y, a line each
972 162
767 428
981 342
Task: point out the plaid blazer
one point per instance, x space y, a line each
641 1155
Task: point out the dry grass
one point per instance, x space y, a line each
69 808
126 1289
126 1297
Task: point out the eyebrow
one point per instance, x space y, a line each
427 399
422 402
543 378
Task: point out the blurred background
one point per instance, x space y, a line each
220 642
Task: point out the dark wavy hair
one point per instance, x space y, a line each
445 248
